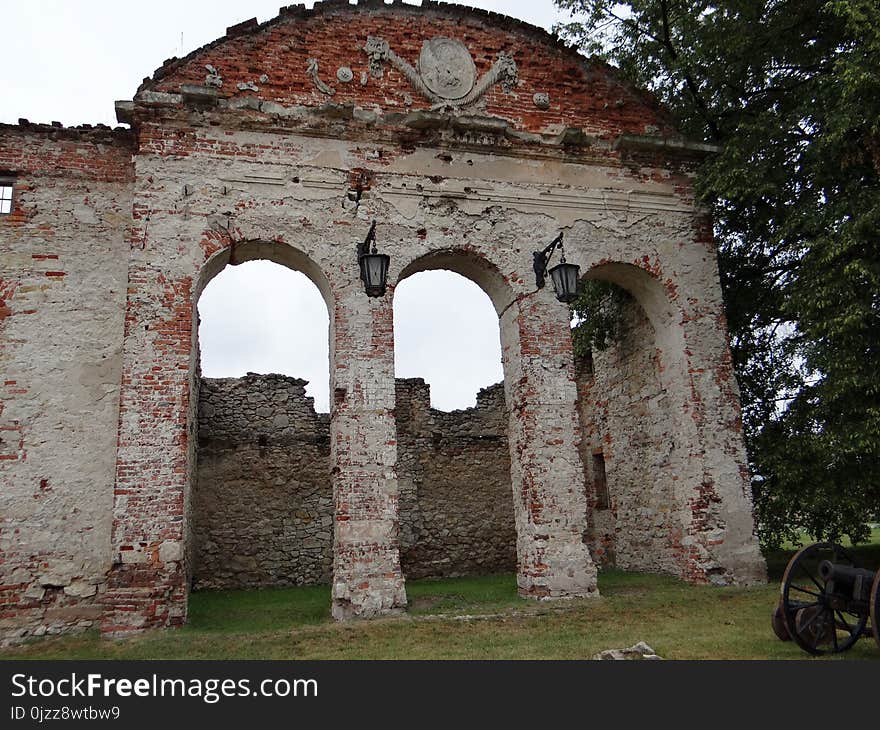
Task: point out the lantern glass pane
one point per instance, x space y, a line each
565 281
374 271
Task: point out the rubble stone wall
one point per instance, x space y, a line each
456 502
262 511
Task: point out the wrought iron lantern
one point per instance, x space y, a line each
374 265
565 276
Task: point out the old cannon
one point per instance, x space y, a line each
827 600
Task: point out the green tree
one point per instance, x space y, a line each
790 91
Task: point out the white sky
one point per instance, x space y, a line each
69 61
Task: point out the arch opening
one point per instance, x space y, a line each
446 331
261 503
453 456
265 318
629 431
470 266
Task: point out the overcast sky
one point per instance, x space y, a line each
69 61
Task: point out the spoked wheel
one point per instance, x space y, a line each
875 607
816 619
778 623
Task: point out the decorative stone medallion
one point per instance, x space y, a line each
446 74
446 67
344 74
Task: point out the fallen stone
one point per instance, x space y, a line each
637 651
35 591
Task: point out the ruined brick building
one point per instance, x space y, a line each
472 139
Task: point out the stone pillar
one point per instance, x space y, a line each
550 501
719 544
367 579
147 583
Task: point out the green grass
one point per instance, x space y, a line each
471 618
257 611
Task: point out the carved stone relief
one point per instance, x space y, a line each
213 78
542 100
447 68
446 74
312 71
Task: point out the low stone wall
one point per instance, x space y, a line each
262 508
263 501
456 503
262 505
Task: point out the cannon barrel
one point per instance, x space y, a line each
857 581
833 619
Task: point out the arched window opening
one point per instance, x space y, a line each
628 434
453 457
598 317
262 317
262 495
446 332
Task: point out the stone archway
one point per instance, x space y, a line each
543 430
668 511
149 580
261 504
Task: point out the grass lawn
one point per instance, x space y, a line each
472 618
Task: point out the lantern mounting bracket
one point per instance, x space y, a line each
364 248
542 259
373 265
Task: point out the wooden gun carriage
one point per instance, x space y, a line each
827 601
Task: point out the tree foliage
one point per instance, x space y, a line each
790 90
597 312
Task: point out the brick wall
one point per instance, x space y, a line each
63 268
583 94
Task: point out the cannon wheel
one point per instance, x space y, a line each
778 623
875 607
814 624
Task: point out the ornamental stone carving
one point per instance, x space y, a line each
447 68
312 72
542 100
213 78
446 74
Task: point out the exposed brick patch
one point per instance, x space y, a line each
584 93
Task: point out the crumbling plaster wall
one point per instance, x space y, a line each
186 229
627 420
667 246
199 204
63 268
